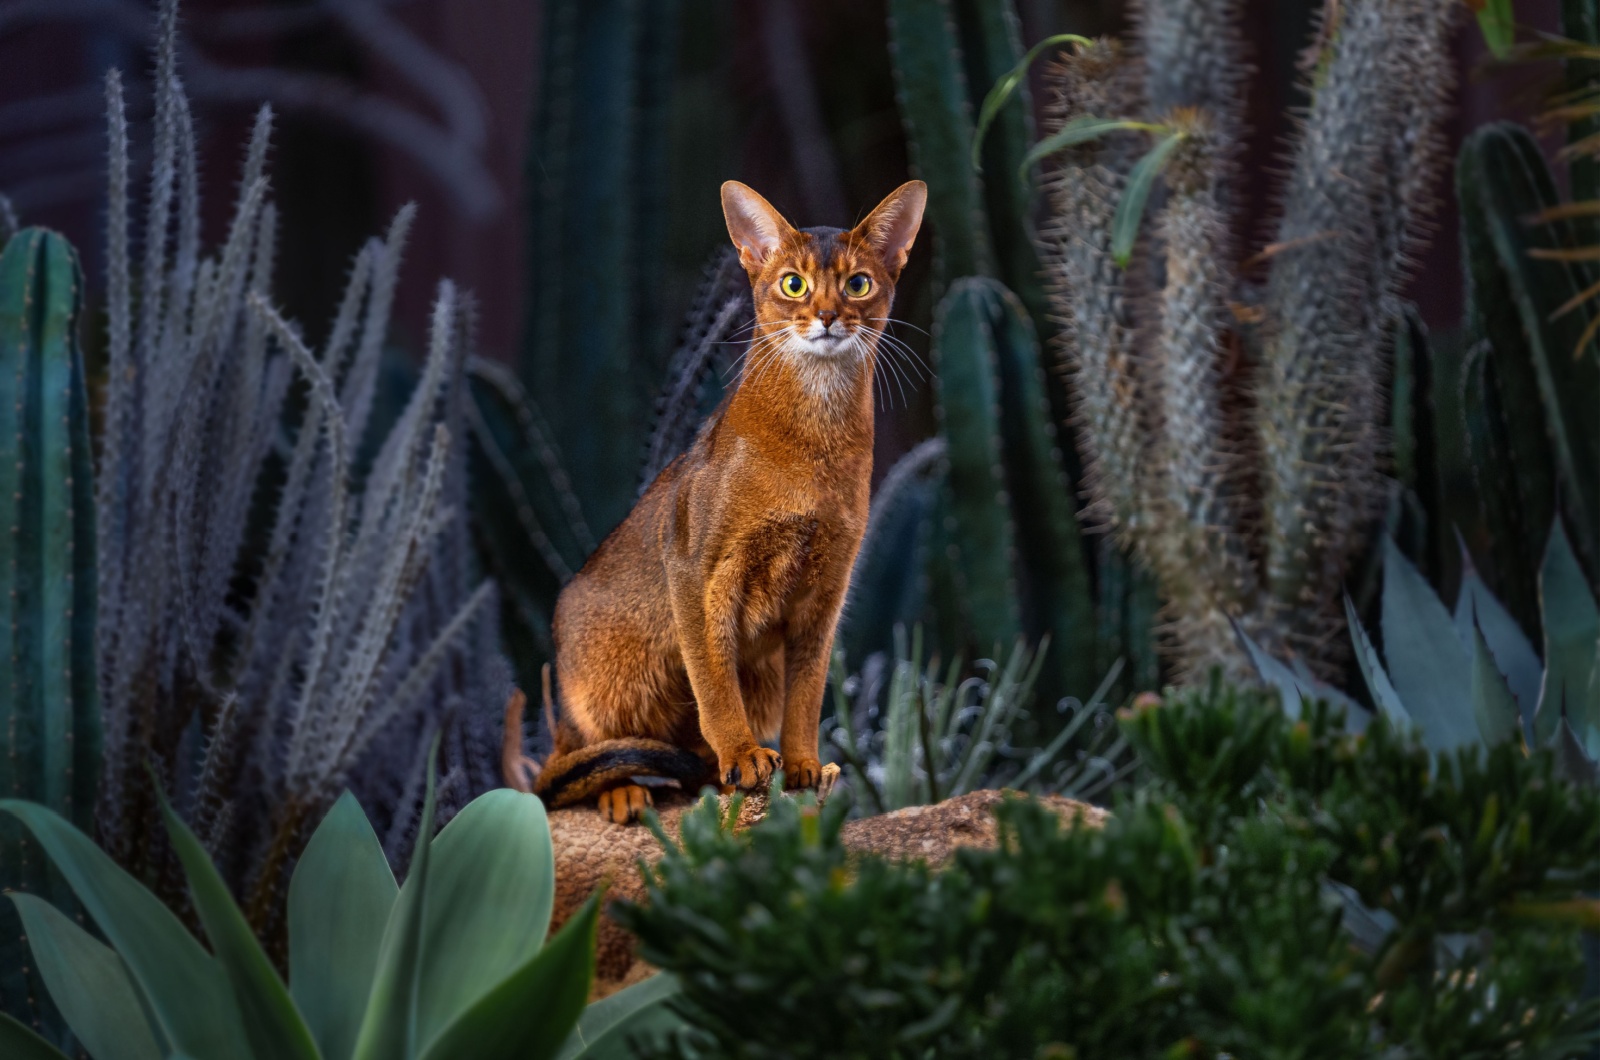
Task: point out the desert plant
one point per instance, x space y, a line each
1439 664
1248 493
1002 553
453 963
1195 921
920 732
275 622
49 707
1532 372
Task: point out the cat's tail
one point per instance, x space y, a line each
576 771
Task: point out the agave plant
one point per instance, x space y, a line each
934 733
454 963
1473 675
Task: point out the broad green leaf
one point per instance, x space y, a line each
20 1043
389 1026
1571 629
529 1013
1272 672
1498 25
340 898
88 983
1007 86
186 991
271 1022
1130 210
1510 648
491 886
1372 671
1493 706
606 1026
1428 664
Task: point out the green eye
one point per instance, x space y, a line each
858 285
793 285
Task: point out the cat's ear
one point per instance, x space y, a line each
756 228
892 227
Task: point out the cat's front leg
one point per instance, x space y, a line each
704 612
806 651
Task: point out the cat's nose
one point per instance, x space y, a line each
827 316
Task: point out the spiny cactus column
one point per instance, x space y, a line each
1249 499
49 709
596 214
1530 387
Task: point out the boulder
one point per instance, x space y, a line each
590 850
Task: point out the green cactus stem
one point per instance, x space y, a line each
49 704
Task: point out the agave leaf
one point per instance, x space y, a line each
529 1013
491 887
1372 671
1007 85
1574 763
1079 130
187 993
1493 706
606 1029
1427 661
1130 210
271 1022
340 899
17 1042
88 983
1510 648
1295 686
1571 630
388 1027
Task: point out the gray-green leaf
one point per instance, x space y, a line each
1130 210
340 899
88 983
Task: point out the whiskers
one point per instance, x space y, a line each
898 359
897 367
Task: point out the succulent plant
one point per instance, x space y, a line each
49 703
454 963
278 619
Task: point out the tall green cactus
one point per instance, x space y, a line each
49 704
596 208
1530 390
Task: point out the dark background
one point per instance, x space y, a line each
382 102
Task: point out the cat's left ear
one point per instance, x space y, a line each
755 227
892 227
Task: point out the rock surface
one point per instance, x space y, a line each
590 850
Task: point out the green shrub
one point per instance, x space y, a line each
1279 889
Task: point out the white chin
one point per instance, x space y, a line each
821 347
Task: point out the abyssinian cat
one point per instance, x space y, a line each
702 626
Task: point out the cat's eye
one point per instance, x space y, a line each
858 285
793 285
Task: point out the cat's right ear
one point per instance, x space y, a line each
756 228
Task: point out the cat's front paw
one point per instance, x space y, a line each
801 772
750 768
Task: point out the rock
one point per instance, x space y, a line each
590 850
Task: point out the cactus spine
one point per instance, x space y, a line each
1248 496
49 707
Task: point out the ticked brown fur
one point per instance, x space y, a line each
705 621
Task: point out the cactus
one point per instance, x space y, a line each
596 213
49 707
1248 498
1532 373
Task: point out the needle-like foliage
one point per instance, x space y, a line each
277 621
